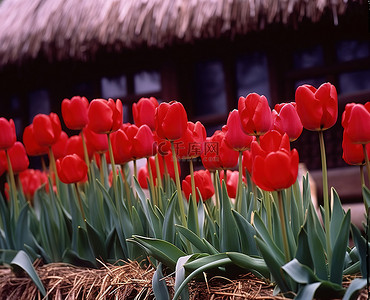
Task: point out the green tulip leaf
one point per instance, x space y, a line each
180 275
203 259
339 250
274 264
229 239
262 232
214 264
192 221
300 273
336 217
360 243
192 238
160 289
162 251
22 262
356 285
247 233
168 229
257 266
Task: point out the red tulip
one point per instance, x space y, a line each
171 120
275 167
143 143
217 154
353 154
203 182
232 182
143 112
32 180
191 143
235 137
105 116
46 129
286 120
255 114
32 147
75 146
59 148
164 146
8 135
71 169
74 112
18 157
247 162
3 162
122 148
317 108
356 123
97 142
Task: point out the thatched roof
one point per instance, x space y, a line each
63 29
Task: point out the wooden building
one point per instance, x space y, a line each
204 53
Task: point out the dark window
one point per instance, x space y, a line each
147 82
309 57
39 103
351 82
348 50
114 87
252 75
210 89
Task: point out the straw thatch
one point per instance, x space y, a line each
78 29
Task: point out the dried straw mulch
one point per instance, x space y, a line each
128 281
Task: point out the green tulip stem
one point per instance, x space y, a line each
267 201
178 186
367 163
13 188
86 155
238 204
325 192
127 188
151 183
135 168
255 201
193 193
158 170
114 172
283 228
54 169
215 178
80 202
362 175
102 156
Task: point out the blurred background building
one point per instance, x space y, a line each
204 53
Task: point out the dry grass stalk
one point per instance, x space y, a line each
126 281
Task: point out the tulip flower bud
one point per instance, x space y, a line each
317 108
74 112
255 114
32 147
71 169
105 116
203 182
275 167
235 137
143 142
8 135
286 120
144 111
46 129
170 120
356 123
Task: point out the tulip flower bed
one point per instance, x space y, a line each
246 212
